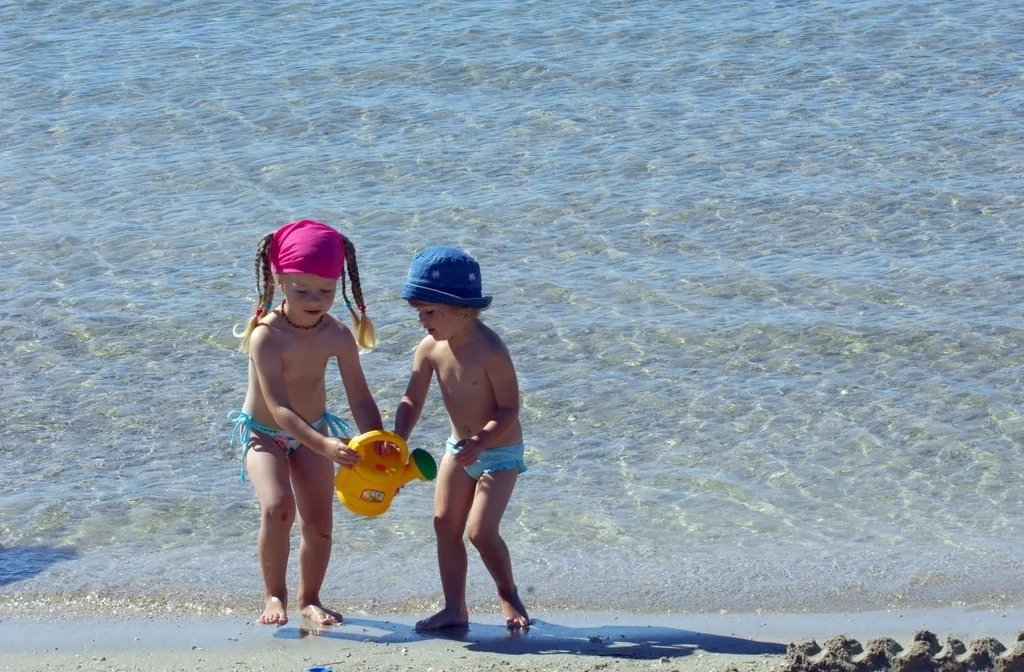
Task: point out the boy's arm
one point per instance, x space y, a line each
502 374
411 405
360 400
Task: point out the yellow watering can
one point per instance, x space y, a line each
368 488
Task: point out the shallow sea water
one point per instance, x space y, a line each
758 268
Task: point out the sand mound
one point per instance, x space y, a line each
925 654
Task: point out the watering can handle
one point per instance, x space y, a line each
356 443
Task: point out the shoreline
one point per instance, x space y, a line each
557 640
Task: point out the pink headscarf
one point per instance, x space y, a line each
308 247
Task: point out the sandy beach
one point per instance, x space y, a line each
569 641
758 266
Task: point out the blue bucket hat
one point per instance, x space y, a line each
445 275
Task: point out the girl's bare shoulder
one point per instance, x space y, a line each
337 332
267 332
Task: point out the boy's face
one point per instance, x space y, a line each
441 321
309 296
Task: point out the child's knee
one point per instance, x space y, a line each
448 527
279 512
483 538
319 526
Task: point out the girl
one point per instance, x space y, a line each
284 427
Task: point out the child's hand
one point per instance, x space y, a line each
385 449
338 451
468 452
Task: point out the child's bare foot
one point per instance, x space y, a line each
515 612
274 612
320 614
444 619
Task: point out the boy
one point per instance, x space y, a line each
484 455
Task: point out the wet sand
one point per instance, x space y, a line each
570 641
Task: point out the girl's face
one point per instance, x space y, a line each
441 321
308 296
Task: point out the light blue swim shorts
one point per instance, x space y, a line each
492 459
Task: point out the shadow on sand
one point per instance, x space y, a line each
544 637
18 564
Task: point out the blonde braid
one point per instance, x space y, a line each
366 337
264 289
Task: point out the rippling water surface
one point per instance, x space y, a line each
758 266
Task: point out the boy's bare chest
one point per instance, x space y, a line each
461 375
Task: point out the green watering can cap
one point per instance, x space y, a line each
425 463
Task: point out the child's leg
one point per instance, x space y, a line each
313 476
452 498
492 494
268 470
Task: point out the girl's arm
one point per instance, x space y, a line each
266 357
360 401
411 405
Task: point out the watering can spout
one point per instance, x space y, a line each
421 465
